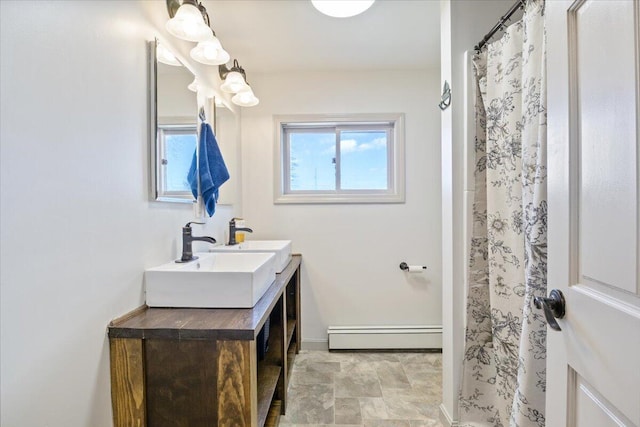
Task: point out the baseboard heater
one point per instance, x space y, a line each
385 337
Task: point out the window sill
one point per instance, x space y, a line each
337 198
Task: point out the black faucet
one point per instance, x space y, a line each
233 229
187 239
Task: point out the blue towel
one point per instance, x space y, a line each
213 171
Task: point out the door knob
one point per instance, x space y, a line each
553 306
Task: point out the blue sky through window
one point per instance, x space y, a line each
312 161
179 153
363 160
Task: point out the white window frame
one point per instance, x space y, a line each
163 194
395 192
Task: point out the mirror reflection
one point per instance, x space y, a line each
175 126
173 123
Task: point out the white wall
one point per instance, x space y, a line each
351 252
77 229
463 24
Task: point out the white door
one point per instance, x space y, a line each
593 365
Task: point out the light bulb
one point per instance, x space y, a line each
245 98
188 24
234 83
210 52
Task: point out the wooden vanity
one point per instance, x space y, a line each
195 367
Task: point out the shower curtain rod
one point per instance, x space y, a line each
517 5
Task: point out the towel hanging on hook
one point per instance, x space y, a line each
201 114
445 99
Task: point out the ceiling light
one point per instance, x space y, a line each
188 23
210 52
342 8
165 56
234 78
245 98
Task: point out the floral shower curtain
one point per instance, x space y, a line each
503 379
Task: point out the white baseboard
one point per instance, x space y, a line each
385 337
445 418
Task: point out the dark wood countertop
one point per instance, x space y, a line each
203 323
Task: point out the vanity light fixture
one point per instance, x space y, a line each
210 52
245 98
165 56
189 20
234 78
342 8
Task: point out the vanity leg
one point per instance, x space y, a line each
127 382
237 385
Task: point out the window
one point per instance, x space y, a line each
346 159
176 144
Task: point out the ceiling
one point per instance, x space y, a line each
291 35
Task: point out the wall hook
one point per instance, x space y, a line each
445 99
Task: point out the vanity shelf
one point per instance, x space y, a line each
291 328
267 383
168 363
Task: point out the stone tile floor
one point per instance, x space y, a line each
364 389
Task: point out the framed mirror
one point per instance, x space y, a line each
173 122
173 125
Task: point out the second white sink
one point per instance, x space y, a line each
214 280
281 248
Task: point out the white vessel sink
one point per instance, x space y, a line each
214 280
281 248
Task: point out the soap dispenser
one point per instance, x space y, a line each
240 234
236 233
